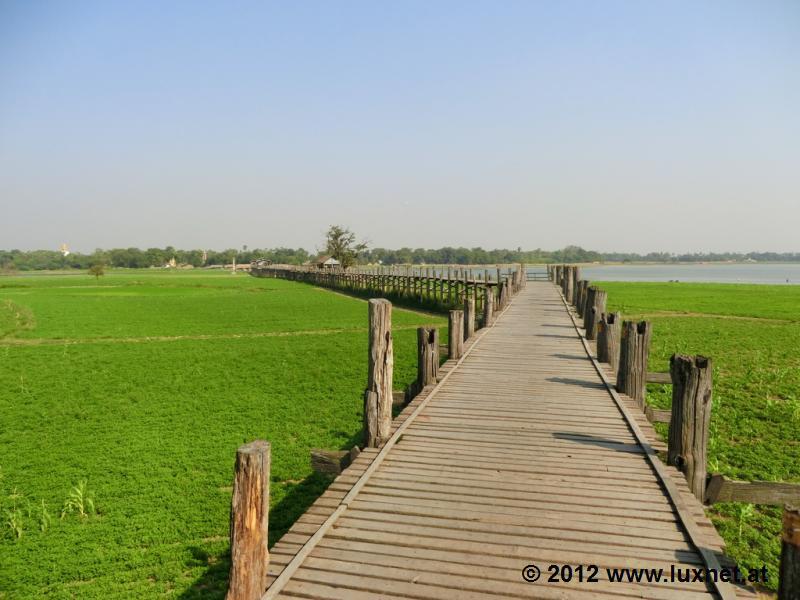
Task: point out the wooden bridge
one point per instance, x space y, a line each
522 454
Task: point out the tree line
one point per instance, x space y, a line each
135 258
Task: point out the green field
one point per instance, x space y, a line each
752 332
144 384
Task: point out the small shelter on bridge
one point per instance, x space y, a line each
327 262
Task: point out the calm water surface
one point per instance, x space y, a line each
788 273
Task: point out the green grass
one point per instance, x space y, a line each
144 385
751 332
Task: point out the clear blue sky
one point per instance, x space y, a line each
632 126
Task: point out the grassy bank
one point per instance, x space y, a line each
752 333
144 384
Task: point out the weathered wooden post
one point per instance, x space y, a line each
789 577
588 302
249 522
608 328
449 285
634 349
691 415
568 283
576 276
597 308
455 334
427 356
378 395
488 305
469 317
583 291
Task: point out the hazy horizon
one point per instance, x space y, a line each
319 248
615 126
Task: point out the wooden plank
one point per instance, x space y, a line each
631 536
497 569
655 415
532 541
481 548
631 465
663 378
722 489
553 509
426 584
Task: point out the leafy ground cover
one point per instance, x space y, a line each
142 385
751 332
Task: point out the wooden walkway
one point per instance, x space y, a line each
519 455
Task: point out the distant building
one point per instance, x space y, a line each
327 262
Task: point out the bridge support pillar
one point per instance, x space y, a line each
455 334
634 350
790 555
378 395
691 415
249 522
469 317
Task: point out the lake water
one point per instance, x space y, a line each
788 273
765 273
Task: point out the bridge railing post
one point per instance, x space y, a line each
587 306
488 305
249 523
634 350
789 574
576 276
608 328
455 334
583 292
689 422
378 395
566 282
503 300
597 308
469 317
427 356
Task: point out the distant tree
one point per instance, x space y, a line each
98 270
341 244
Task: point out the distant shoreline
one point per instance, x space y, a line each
698 263
76 271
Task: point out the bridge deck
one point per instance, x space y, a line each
519 456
